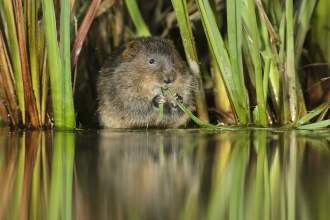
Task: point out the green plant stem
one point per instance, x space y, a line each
14 53
137 19
33 50
67 96
262 119
83 30
161 105
54 62
181 11
320 32
266 77
8 87
193 117
30 102
303 25
62 104
240 106
221 100
284 116
235 46
290 71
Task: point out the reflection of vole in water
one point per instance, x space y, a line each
129 83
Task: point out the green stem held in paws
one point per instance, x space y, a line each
193 117
161 105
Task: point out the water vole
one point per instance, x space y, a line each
129 82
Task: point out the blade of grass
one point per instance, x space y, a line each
318 110
290 71
193 117
276 10
67 96
283 102
181 11
3 111
41 46
137 19
29 98
44 89
234 23
320 31
316 125
266 21
302 25
313 113
268 38
7 85
267 67
54 63
269 50
32 23
234 89
221 100
55 69
261 106
44 74
14 55
82 32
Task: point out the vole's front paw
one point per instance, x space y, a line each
158 99
178 98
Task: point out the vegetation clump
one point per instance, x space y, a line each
257 63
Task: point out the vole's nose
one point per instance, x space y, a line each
167 80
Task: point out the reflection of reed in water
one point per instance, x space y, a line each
229 175
35 174
164 175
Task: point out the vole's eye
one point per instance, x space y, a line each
152 61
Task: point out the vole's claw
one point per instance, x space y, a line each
158 99
178 97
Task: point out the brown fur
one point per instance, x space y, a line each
128 85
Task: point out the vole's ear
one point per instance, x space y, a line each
131 49
170 42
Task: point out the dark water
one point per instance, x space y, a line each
159 174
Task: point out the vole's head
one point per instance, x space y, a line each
156 61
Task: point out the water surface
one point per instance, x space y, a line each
164 174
